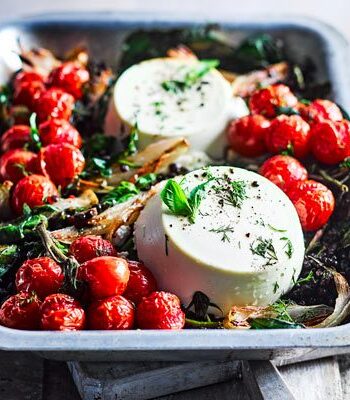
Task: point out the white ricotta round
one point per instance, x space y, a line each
150 93
238 253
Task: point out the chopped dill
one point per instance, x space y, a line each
288 247
264 248
224 230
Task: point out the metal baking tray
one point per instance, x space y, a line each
103 34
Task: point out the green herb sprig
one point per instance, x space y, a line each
191 77
264 248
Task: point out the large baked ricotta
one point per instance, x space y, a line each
152 95
238 252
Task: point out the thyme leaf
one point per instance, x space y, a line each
264 248
224 230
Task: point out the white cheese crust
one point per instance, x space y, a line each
237 255
200 112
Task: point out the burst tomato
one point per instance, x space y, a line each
105 276
283 171
265 101
320 110
56 131
28 87
33 190
288 131
112 313
60 312
21 311
15 137
40 275
15 164
246 135
86 248
61 162
160 310
70 77
141 282
54 103
330 141
314 203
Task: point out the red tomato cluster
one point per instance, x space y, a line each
37 176
280 124
121 294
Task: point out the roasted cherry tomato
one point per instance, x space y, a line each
54 103
160 310
71 77
28 86
33 190
86 248
141 282
61 162
41 275
105 276
289 131
60 312
21 311
56 131
15 138
246 135
15 164
314 203
267 100
330 141
112 313
283 171
320 110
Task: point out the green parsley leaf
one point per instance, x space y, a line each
146 181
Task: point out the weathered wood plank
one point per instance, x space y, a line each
314 380
20 376
57 382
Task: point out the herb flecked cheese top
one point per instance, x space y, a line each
244 246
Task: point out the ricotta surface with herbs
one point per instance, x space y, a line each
225 231
169 97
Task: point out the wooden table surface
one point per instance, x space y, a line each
25 376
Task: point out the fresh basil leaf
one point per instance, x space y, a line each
123 192
8 255
273 323
133 141
195 198
146 181
34 133
175 198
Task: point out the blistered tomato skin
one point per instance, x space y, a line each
15 138
28 87
112 313
62 163
265 101
33 190
246 135
314 203
160 310
21 311
54 103
71 77
60 312
86 248
141 282
15 164
41 275
330 141
283 171
320 110
288 131
105 276
56 131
